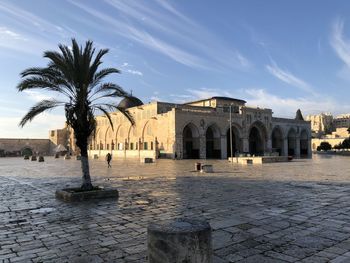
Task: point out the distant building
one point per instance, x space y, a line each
199 129
342 121
320 124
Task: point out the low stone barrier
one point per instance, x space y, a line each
178 241
41 159
33 158
146 160
207 168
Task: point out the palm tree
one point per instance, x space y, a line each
74 74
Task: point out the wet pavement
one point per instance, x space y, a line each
282 212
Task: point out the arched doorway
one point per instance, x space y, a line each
27 151
190 142
256 142
235 144
291 142
304 143
277 141
213 144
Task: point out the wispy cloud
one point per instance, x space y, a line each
128 69
36 95
288 77
286 107
200 93
38 128
162 27
340 44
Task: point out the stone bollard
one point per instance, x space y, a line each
41 159
26 157
146 160
57 155
33 158
67 157
207 168
180 240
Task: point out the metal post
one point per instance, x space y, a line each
231 133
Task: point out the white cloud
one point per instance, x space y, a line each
286 107
288 77
38 128
36 95
340 44
135 72
204 93
200 49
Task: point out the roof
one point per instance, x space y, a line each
218 98
129 102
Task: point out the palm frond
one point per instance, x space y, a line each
101 74
108 90
101 108
39 108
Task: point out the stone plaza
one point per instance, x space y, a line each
280 212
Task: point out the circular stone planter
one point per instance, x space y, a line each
76 194
178 241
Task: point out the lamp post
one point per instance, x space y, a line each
231 150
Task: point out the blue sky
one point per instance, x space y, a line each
282 55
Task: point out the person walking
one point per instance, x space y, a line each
108 159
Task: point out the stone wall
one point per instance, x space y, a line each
16 146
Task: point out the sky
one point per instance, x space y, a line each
282 55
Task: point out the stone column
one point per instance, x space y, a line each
285 147
223 146
297 147
178 147
178 241
202 147
245 143
268 147
309 150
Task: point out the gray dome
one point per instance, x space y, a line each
129 102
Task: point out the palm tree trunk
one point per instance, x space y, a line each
87 185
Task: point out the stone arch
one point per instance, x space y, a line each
236 143
96 145
213 142
122 137
292 142
257 137
149 134
27 150
191 144
304 143
108 138
277 140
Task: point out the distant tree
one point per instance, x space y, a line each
324 146
346 144
74 74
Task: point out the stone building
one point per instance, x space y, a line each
321 124
21 146
199 129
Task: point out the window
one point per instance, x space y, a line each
145 146
151 145
107 146
137 144
131 146
52 133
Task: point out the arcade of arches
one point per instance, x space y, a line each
212 144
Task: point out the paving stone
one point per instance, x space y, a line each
269 213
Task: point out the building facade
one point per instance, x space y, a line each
199 129
321 124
